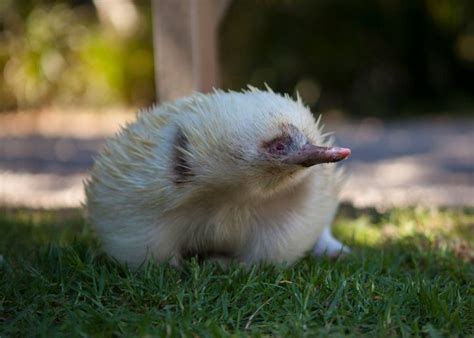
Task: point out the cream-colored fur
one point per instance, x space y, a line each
233 202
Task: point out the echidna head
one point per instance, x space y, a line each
256 142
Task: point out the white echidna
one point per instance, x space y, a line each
229 175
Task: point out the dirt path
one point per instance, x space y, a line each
44 159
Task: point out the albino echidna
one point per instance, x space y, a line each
229 175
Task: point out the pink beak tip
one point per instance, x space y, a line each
344 152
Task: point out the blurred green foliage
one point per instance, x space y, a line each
58 52
377 57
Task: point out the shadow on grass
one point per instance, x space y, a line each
25 232
367 231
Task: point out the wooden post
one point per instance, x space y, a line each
185 41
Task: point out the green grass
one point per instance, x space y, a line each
411 273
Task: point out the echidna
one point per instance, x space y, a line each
229 175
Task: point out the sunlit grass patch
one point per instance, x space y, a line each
450 229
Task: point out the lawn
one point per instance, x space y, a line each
411 273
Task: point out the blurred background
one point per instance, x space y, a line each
393 78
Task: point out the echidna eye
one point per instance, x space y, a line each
280 146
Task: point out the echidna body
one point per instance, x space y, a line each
226 175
